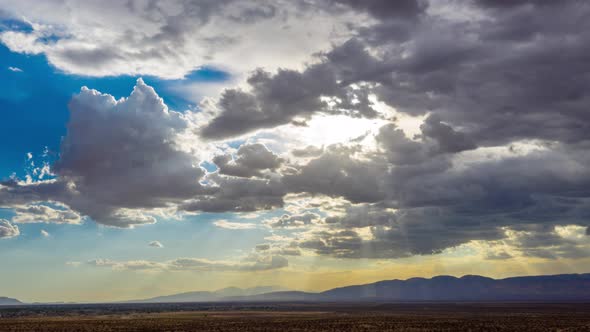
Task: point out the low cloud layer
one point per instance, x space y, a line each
37 213
262 263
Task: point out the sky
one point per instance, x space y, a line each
158 147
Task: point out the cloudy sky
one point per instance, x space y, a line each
155 147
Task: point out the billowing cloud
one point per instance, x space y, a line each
274 100
338 173
118 159
289 96
125 152
430 206
169 38
250 160
452 66
8 230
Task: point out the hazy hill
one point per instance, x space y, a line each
286 296
469 288
204 296
9 301
565 287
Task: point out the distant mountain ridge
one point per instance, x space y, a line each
563 287
474 288
9 301
205 296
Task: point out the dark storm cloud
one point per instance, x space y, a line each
418 231
520 72
474 74
447 139
511 183
289 95
439 207
353 62
292 221
544 242
250 160
238 195
274 100
436 140
383 9
508 4
399 149
501 78
362 216
337 174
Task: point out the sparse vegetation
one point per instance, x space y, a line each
283 317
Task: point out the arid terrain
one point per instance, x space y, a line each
299 317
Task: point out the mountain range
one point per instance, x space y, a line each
469 288
563 287
204 296
9 301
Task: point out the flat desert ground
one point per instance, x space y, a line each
299 317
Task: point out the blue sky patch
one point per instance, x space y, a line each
34 102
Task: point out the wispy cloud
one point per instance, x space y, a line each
257 263
234 225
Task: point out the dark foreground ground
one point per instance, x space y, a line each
298 317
